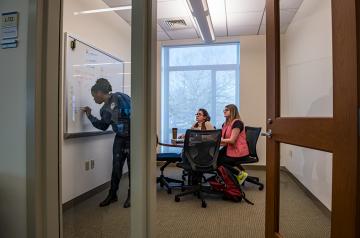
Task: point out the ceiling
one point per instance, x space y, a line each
229 17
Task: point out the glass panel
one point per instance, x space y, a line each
306 58
225 94
211 84
203 55
305 192
91 167
189 90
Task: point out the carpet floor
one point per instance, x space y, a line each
299 215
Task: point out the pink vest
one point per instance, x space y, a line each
240 147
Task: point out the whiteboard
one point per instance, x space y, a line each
84 64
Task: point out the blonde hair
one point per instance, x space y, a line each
234 113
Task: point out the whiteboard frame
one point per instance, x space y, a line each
68 135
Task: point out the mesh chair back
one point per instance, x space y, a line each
201 149
252 136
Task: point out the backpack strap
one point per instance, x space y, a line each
233 178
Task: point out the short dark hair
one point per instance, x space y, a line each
102 85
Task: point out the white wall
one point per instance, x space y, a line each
110 33
13 100
252 82
307 90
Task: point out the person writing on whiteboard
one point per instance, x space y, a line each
115 112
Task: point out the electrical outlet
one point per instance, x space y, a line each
92 164
87 165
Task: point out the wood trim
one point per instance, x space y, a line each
81 198
277 235
358 89
306 133
272 111
345 158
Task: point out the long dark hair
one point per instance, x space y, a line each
207 118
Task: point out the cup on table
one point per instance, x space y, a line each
174 133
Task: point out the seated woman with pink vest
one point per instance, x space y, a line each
233 141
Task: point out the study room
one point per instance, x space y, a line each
211 167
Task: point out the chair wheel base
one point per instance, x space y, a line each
177 199
261 187
203 204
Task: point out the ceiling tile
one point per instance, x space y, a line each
220 30
169 9
288 4
218 16
244 5
117 3
244 19
243 30
286 16
183 34
125 14
162 36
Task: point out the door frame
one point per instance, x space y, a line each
43 113
42 169
338 135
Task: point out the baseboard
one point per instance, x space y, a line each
84 196
317 202
253 167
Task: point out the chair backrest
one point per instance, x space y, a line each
252 136
201 149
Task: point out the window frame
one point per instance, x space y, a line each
165 77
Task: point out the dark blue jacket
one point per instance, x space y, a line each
115 112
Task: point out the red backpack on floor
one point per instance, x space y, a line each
227 183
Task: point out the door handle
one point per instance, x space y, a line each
268 134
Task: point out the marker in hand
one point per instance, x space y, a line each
86 109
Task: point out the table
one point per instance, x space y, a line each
172 144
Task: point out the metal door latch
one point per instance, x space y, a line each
268 134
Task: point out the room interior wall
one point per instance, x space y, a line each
13 146
306 82
252 82
110 33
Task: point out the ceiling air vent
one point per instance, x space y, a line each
174 24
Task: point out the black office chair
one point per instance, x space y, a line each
201 149
164 181
252 136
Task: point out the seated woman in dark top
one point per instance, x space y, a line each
234 141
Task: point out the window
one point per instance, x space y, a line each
198 76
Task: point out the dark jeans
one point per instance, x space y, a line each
228 162
121 152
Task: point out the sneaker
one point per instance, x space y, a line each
109 199
241 177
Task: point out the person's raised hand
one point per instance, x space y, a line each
87 110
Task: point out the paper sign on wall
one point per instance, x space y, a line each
9 29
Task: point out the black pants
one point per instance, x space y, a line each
228 162
121 152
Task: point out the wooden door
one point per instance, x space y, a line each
336 134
